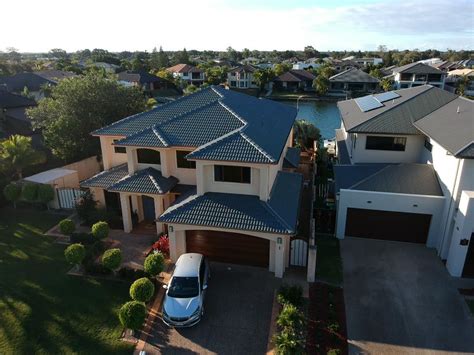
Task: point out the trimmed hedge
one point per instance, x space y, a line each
154 264
29 192
67 226
112 258
132 315
45 193
290 295
100 230
142 290
75 253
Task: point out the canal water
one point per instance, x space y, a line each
323 114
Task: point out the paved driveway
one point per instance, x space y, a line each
237 316
400 299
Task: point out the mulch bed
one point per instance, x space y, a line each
326 320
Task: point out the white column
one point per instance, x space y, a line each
264 182
271 266
311 271
200 178
106 154
280 258
177 243
137 206
132 160
166 162
158 212
287 252
126 213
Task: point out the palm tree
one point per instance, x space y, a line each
305 133
16 154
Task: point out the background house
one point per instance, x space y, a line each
416 74
148 82
241 77
187 73
352 81
406 162
294 80
13 119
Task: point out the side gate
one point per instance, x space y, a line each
298 252
67 197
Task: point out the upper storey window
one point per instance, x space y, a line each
120 150
182 162
228 173
148 156
385 143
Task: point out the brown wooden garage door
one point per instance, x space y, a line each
229 247
386 225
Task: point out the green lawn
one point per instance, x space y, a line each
328 261
43 310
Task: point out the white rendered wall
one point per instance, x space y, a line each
109 157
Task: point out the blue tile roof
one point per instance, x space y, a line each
242 212
205 119
292 157
146 181
106 178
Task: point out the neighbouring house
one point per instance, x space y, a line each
340 65
364 61
187 73
452 80
417 74
313 63
13 119
352 81
34 81
294 80
447 66
141 78
241 77
406 171
205 169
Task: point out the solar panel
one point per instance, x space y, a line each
367 103
386 96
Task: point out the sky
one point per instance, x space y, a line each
117 25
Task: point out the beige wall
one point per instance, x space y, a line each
109 157
85 168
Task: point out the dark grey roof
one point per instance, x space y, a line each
9 100
55 75
417 68
243 69
295 75
417 179
342 152
347 175
242 212
353 75
139 76
451 129
146 181
205 119
106 178
395 116
292 157
17 82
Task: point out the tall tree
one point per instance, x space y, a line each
182 57
263 77
79 106
16 154
305 133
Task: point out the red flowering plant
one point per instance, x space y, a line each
162 245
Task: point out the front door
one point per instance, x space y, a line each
148 208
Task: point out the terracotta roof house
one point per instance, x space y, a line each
241 77
405 171
205 169
294 80
352 81
143 79
188 73
417 74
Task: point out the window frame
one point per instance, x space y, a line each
119 150
188 164
148 162
395 146
220 175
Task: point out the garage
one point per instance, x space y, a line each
227 247
387 225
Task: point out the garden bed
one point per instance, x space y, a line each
327 333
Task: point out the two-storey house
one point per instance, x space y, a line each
352 81
417 74
208 169
241 77
406 171
187 73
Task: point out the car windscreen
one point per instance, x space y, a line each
183 287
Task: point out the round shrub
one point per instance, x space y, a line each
132 315
154 264
30 192
112 258
100 230
45 193
290 317
142 290
67 226
75 253
12 192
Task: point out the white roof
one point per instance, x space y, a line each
49 175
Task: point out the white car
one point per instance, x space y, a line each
183 305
